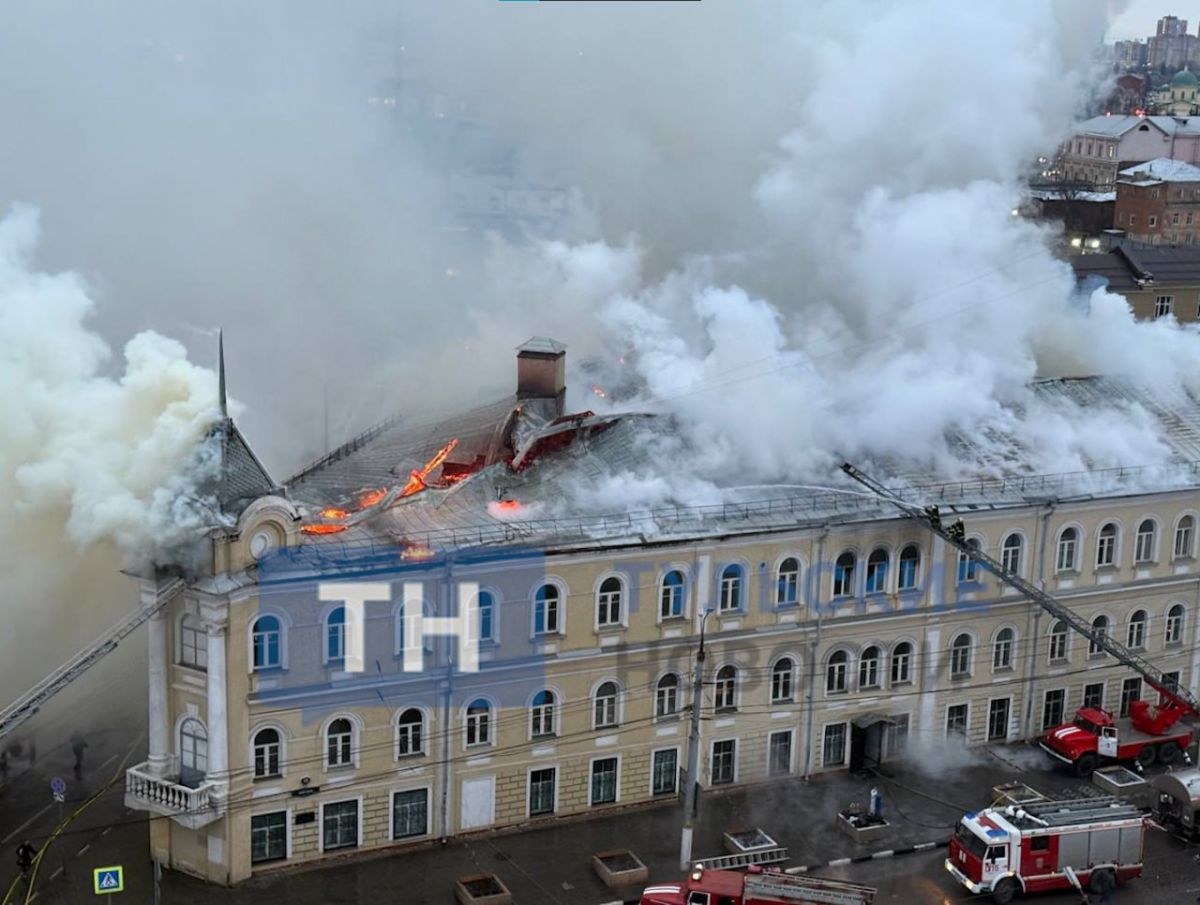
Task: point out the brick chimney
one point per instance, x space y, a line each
542 375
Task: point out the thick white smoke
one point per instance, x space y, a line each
96 471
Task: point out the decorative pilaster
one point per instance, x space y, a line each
159 740
218 712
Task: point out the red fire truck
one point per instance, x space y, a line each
1037 847
756 887
1147 736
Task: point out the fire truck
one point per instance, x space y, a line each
756 887
1047 846
1148 735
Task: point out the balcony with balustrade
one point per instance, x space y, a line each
191 806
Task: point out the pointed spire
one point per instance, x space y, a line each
221 373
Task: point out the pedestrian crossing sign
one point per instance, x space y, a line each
108 879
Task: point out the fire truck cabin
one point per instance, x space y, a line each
1010 850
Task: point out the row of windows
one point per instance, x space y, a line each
1101 149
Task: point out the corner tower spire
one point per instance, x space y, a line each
221 373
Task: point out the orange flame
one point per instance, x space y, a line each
334 513
417 553
322 529
599 391
416 481
371 497
508 505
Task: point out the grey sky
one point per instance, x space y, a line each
1139 19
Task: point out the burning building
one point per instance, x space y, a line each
286 725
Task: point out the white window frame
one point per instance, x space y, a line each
791 764
287 836
1145 542
916 572
680 592
284 624
907 661
968 653
787 582
190 624
1094 650
842 686
355 743
727 600
653 755
422 729
863 659
559 610
610 603
845 743
327 630
612 705
616 783
880 583
280 754
491 724
987 732
1136 630
358 841
1061 544
1110 544
712 761
1174 625
788 676
391 814
1009 647
540 710
1054 639
537 768
1188 532
1011 555
725 690
845 585
674 690
966 733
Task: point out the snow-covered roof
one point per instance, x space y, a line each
1116 126
1161 169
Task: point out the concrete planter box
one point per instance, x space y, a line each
741 840
1015 793
860 827
1124 784
619 868
481 889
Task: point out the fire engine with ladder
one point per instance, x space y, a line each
756 887
1147 736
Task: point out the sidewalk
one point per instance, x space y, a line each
551 865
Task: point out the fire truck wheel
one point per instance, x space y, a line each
1005 891
1168 753
1086 765
1102 881
1147 756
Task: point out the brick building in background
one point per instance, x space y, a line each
1158 202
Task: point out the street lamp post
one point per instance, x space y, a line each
693 771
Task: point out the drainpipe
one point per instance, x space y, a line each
1035 635
812 654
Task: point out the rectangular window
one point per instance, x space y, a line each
670 601
731 590
410 814
1163 305
876 575
339 825
664 772
833 747
604 781
1093 695
1183 532
541 791
956 720
1131 690
779 760
897 735
1175 219
1053 706
723 760
268 837
998 719
193 644
1170 683
1058 642
487 616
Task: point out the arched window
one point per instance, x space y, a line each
604 710
910 568
968 566
487 616
266 746
265 640
1185 533
1106 546
339 743
608 602
545 610
1143 548
960 656
670 595
868 668
1100 627
335 635
193 752
725 690
1002 650
877 567
1174 633
1135 633
1058 641
787 583
193 642
781 680
731 589
902 663
835 672
479 722
1010 554
410 733
541 714
843 575
1068 550
666 695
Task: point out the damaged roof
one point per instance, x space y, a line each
1130 267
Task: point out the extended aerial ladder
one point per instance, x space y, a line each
31 702
1178 701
